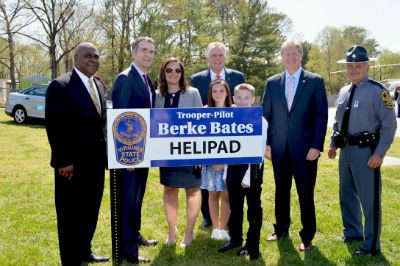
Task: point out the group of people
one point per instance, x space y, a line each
295 109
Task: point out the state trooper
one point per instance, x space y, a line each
364 128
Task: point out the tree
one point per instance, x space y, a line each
11 24
52 16
255 47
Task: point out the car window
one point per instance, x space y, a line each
40 91
37 91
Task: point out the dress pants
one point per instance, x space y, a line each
133 186
304 173
235 174
360 188
77 205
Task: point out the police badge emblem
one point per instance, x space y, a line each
129 134
387 99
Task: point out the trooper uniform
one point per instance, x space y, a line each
371 126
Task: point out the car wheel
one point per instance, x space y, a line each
19 115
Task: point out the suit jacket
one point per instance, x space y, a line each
202 80
189 98
129 90
304 126
75 130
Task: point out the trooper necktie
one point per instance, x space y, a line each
146 83
218 76
290 91
346 115
94 96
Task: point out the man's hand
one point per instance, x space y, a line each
375 161
332 153
268 152
313 154
67 171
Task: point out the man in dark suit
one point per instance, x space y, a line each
75 125
133 89
295 106
216 54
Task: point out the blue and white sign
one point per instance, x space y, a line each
184 136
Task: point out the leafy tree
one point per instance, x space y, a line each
11 25
257 42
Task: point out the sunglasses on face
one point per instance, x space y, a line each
177 70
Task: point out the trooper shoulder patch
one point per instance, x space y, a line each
387 99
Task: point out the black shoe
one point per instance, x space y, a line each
362 252
205 224
347 239
146 243
135 260
92 257
230 245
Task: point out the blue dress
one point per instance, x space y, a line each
212 180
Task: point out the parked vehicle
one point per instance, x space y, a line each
29 102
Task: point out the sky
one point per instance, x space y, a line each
380 17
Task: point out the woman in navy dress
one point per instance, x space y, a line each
174 92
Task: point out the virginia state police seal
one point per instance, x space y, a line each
129 133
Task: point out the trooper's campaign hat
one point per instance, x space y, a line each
356 54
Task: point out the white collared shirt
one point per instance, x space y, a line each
214 76
85 80
296 75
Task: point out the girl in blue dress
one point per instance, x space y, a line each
212 175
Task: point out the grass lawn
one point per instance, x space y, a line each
28 223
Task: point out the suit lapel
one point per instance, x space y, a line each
299 89
282 91
227 75
182 99
140 84
83 95
100 90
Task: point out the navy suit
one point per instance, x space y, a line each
129 91
291 133
76 134
202 80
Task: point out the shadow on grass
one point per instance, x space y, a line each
378 259
31 123
289 255
202 251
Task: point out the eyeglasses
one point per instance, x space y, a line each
177 70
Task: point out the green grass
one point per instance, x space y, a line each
28 223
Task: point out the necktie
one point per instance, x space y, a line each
94 96
146 83
346 115
218 76
290 91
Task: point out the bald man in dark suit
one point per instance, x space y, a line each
75 125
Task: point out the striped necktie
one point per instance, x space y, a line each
94 96
290 91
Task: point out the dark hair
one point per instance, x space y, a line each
228 99
135 43
162 81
